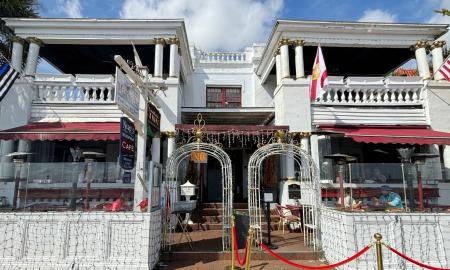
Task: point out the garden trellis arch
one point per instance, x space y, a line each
184 152
309 186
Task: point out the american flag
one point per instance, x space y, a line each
445 69
7 76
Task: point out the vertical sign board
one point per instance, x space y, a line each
127 95
127 144
153 118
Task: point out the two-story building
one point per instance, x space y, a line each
67 125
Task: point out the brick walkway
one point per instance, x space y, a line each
220 265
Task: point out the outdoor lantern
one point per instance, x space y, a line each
188 190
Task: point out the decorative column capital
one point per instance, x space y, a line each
35 40
159 41
298 42
284 41
173 40
17 39
170 134
437 44
420 44
157 135
277 52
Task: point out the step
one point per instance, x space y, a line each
219 218
218 226
219 205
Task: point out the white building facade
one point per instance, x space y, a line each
244 98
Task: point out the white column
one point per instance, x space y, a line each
6 167
314 139
446 156
421 59
156 148
289 164
278 66
159 46
174 57
305 144
24 146
33 55
170 142
299 64
438 58
17 53
141 159
284 52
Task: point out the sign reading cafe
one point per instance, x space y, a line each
127 95
127 148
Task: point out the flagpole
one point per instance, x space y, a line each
443 62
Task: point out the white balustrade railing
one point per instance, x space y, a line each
373 91
80 89
220 57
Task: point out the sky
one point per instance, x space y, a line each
231 25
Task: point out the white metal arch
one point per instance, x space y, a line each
310 188
218 153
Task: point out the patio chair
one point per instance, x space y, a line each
286 217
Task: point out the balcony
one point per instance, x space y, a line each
371 101
80 89
74 98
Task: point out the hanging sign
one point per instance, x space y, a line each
127 149
126 177
199 157
153 118
127 95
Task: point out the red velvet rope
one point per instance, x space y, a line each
414 261
238 258
361 252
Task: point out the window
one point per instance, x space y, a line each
223 97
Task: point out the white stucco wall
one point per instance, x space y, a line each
292 105
438 105
216 74
15 108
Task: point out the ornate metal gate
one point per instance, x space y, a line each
218 153
310 187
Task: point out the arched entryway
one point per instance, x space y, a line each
310 188
212 150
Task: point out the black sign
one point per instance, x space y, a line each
127 149
294 192
126 177
153 118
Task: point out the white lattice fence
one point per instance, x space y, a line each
421 236
77 240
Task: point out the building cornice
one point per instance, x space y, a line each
348 34
104 32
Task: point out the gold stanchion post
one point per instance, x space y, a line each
378 238
249 249
231 266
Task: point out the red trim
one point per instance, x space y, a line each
95 131
401 135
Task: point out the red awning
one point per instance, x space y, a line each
95 131
402 135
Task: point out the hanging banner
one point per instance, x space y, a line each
127 95
199 157
127 149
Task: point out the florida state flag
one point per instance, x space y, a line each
319 78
